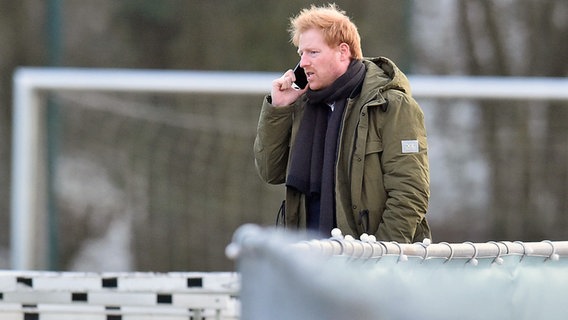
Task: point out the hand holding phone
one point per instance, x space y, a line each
301 79
284 92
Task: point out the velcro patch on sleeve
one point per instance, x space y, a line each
409 146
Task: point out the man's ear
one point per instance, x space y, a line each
345 51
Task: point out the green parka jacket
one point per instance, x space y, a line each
382 182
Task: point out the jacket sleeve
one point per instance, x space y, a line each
272 142
406 169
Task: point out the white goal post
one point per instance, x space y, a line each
28 199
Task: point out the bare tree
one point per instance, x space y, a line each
528 170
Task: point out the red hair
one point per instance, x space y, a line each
334 24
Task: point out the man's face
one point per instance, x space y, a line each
323 64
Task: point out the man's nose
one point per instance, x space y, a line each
304 61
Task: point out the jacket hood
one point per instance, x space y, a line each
390 76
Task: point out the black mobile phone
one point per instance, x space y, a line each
301 79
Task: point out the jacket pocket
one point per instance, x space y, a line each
373 195
374 146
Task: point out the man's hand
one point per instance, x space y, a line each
283 92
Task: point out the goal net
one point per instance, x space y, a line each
154 171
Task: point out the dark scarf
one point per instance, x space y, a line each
312 165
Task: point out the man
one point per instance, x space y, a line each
351 146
